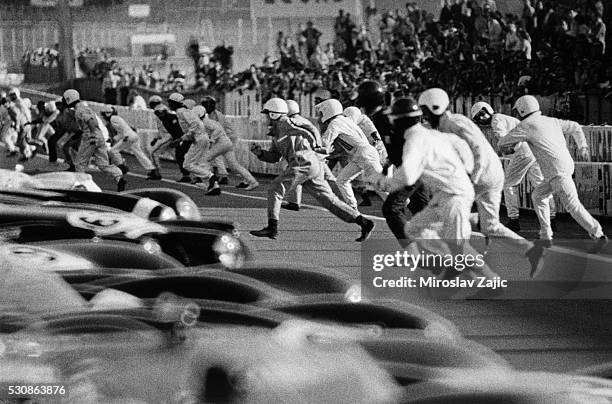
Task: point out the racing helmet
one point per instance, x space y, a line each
435 100
200 111
527 105
71 96
14 93
189 103
108 111
293 107
479 106
329 109
370 94
210 103
176 97
50 107
481 113
353 113
154 101
404 107
275 108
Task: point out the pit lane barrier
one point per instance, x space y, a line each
592 179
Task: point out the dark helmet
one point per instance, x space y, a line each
209 103
370 94
404 108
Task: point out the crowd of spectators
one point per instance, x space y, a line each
470 49
44 57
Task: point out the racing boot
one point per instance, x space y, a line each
154 175
184 179
242 185
251 186
214 191
124 168
291 206
195 181
212 181
223 181
121 184
367 227
535 255
271 231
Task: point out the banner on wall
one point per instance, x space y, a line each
53 3
303 8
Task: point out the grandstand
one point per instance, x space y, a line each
213 22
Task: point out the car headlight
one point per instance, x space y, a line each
229 250
187 209
151 246
353 294
166 214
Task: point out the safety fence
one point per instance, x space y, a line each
592 178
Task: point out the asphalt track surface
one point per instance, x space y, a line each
553 335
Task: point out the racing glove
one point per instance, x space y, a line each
583 154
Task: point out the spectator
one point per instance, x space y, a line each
109 87
512 42
525 44
446 14
311 35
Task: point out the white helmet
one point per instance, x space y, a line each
14 91
71 96
200 111
479 106
50 107
354 113
435 99
329 109
189 103
275 108
527 105
155 100
176 97
293 107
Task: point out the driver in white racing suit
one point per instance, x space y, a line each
546 139
522 163
342 136
293 144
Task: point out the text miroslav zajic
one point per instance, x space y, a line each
404 260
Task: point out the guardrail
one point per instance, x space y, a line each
592 178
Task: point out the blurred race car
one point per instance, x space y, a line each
79 188
187 243
14 179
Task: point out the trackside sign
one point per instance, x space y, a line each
303 8
53 3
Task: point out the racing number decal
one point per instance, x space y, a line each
106 224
